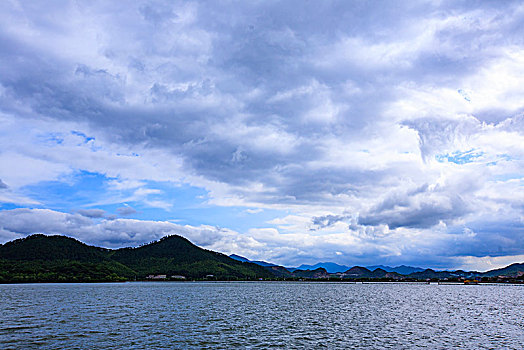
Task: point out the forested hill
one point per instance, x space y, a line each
175 255
41 247
40 258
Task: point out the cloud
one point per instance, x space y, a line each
329 220
29 221
271 244
92 213
7 196
486 263
440 134
315 111
125 211
422 211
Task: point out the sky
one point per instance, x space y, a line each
356 132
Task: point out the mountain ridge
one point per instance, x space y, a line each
332 267
258 262
401 269
41 258
55 258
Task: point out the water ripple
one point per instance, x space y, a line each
260 315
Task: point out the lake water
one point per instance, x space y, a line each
226 315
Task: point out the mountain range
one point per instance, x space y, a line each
402 272
334 268
331 267
41 258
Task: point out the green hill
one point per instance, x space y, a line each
311 274
357 272
513 270
40 258
175 255
41 247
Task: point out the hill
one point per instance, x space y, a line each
357 272
41 247
334 268
513 270
328 266
40 258
175 255
362 273
402 269
311 274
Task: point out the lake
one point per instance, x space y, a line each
226 315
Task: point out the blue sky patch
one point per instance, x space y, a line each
459 157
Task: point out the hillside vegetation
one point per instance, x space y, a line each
40 258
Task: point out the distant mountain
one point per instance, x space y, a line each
40 258
313 274
511 271
329 266
357 272
383 267
381 273
276 270
334 268
405 270
239 258
280 271
442 275
431 274
258 262
402 269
